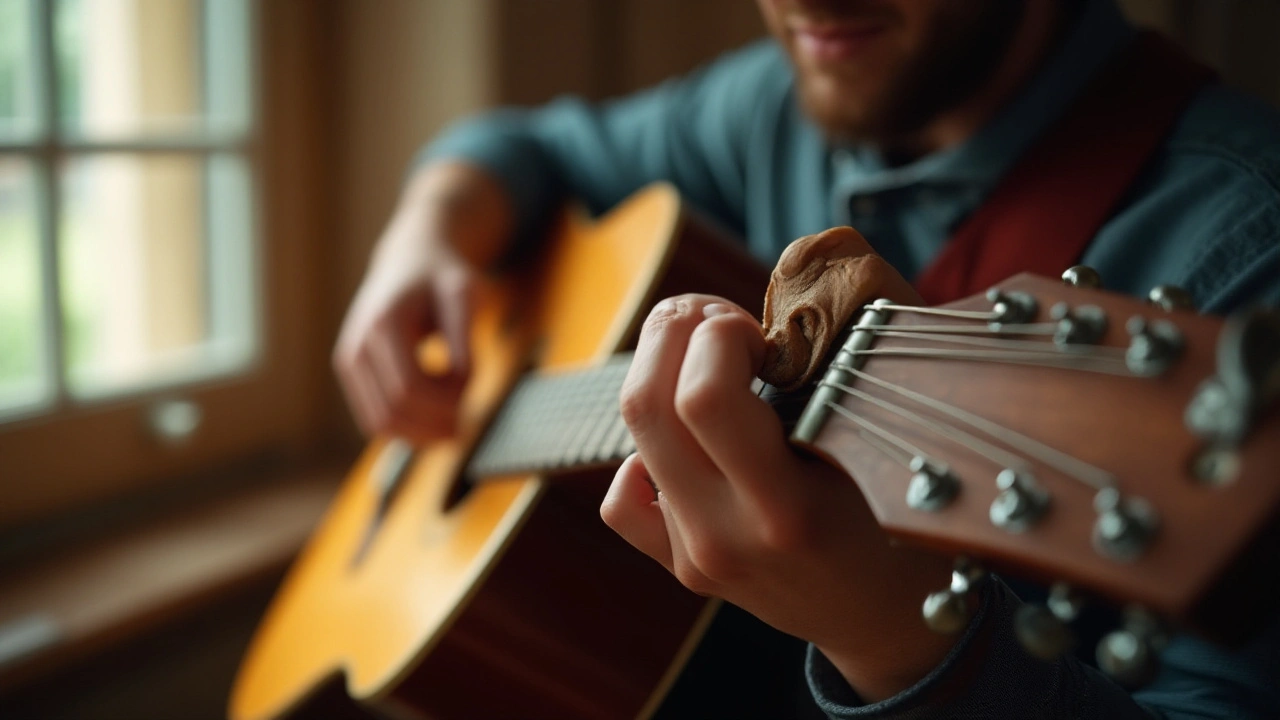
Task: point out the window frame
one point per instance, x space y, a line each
70 453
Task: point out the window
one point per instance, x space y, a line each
132 301
125 235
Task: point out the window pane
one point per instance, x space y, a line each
24 377
146 290
17 78
136 68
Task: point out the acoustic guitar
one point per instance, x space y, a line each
1058 432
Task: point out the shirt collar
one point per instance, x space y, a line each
1097 33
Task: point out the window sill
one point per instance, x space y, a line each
85 599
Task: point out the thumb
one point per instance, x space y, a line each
455 298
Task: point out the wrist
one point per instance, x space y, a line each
888 648
456 208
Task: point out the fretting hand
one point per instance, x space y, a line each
739 515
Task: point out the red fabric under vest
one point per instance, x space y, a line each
1046 210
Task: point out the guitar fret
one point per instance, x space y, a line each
556 421
595 423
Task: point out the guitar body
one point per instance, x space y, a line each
427 597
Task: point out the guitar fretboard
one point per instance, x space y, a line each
557 422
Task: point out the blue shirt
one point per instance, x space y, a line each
1205 215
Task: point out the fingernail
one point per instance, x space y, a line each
716 309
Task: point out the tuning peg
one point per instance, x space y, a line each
1020 502
1171 297
1041 633
1082 276
1064 602
1124 526
1153 346
1131 655
932 486
949 611
1083 325
1226 407
1042 629
1011 308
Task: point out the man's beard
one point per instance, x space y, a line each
960 55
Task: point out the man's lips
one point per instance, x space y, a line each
828 42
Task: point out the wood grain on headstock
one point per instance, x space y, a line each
1210 541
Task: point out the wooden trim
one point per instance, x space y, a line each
82 599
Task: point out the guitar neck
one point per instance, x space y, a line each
554 423
570 421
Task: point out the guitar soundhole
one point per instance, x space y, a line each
459 489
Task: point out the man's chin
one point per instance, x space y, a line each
842 117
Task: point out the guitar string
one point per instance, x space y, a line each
1070 350
1023 352
902 458
532 449
964 439
1007 351
1011 357
886 435
986 315
1068 465
1002 329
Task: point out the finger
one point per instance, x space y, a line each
373 405
454 297
631 508
647 400
420 407
737 430
358 398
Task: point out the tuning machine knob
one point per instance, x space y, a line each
1020 502
1227 405
1125 525
1011 308
949 611
932 487
1131 655
1042 629
1171 297
1083 325
1082 276
1153 346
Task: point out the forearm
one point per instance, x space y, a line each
458 204
988 674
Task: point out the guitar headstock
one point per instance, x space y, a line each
1072 435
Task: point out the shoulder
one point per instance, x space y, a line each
1206 212
1237 131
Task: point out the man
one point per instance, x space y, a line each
898 117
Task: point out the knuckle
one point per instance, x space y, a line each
786 533
611 512
666 312
637 403
398 422
712 559
345 357
698 402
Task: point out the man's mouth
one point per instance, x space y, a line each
826 42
